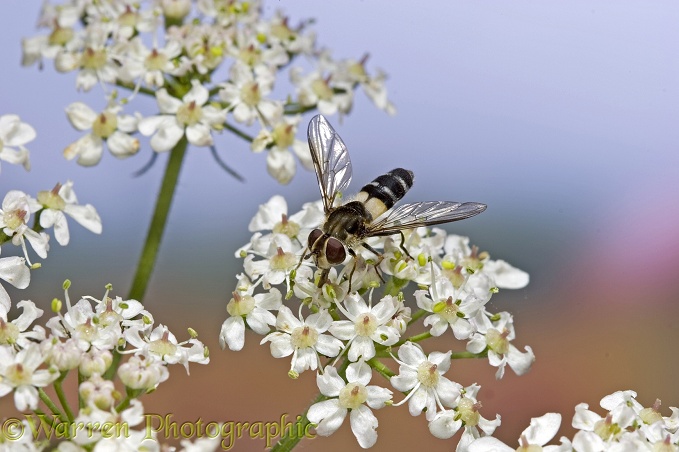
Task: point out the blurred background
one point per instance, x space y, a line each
562 117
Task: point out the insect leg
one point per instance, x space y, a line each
380 257
324 277
403 242
353 269
302 257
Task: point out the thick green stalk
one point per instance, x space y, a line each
147 260
293 436
51 405
59 389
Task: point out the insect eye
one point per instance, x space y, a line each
313 236
334 251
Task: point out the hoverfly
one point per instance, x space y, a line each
370 214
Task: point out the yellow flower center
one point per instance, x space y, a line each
52 199
105 124
321 89
303 337
469 411
17 375
162 346
427 374
497 341
93 59
366 324
189 113
239 306
9 333
289 228
14 219
282 260
447 309
156 61
250 94
353 395
60 36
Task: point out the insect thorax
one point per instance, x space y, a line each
348 220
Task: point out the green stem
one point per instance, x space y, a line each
294 435
394 286
381 368
111 371
466 355
59 389
239 133
149 254
417 315
297 432
51 405
416 338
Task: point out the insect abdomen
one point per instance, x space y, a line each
382 193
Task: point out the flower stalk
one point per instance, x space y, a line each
149 254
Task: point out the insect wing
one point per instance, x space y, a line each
414 215
331 159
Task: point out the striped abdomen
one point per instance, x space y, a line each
381 194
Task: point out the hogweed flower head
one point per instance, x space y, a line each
366 310
210 65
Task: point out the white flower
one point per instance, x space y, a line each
64 355
541 430
274 216
324 93
461 257
150 65
496 336
162 344
303 339
14 134
14 215
278 262
251 309
190 116
366 325
246 91
81 323
94 61
595 429
19 372
62 200
142 373
450 307
506 276
279 34
97 392
280 164
16 332
95 362
99 439
353 72
423 376
465 414
351 395
13 270
108 126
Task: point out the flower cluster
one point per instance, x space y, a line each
90 337
340 330
50 209
211 65
627 426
